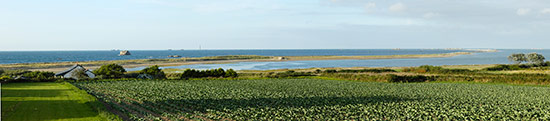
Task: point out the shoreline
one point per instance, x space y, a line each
59 66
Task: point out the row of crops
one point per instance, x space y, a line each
316 99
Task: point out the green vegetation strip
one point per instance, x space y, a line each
317 99
50 101
127 62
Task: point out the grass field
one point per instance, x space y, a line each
49 101
317 99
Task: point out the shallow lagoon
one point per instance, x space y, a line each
476 58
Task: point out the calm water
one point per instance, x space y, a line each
477 58
7 57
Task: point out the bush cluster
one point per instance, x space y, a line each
505 67
289 73
436 69
173 75
356 77
26 76
359 71
192 73
110 71
154 71
408 78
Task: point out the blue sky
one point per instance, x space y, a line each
272 24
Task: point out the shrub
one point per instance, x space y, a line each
38 76
505 67
356 77
110 71
173 75
318 71
192 73
231 73
435 69
331 71
366 70
407 78
26 76
154 71
290 73
5 78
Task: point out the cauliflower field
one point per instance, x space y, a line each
317 99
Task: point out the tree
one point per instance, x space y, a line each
79 74
154 71
219 72
110 71
318 71
535 58
188 73
39 76
231 73
517 58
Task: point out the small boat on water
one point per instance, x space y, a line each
124 52
174 56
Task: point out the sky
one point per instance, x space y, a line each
272 24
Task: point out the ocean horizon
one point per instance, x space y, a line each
11 57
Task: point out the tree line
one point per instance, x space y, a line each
113 71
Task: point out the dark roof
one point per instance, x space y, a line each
68 70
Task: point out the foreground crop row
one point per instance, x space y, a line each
308 99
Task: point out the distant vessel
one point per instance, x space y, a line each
174 56
454 49
124 52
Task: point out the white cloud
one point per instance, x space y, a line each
370 6
545 11
523 11
430 15
398 7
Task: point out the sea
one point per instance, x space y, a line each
499 57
